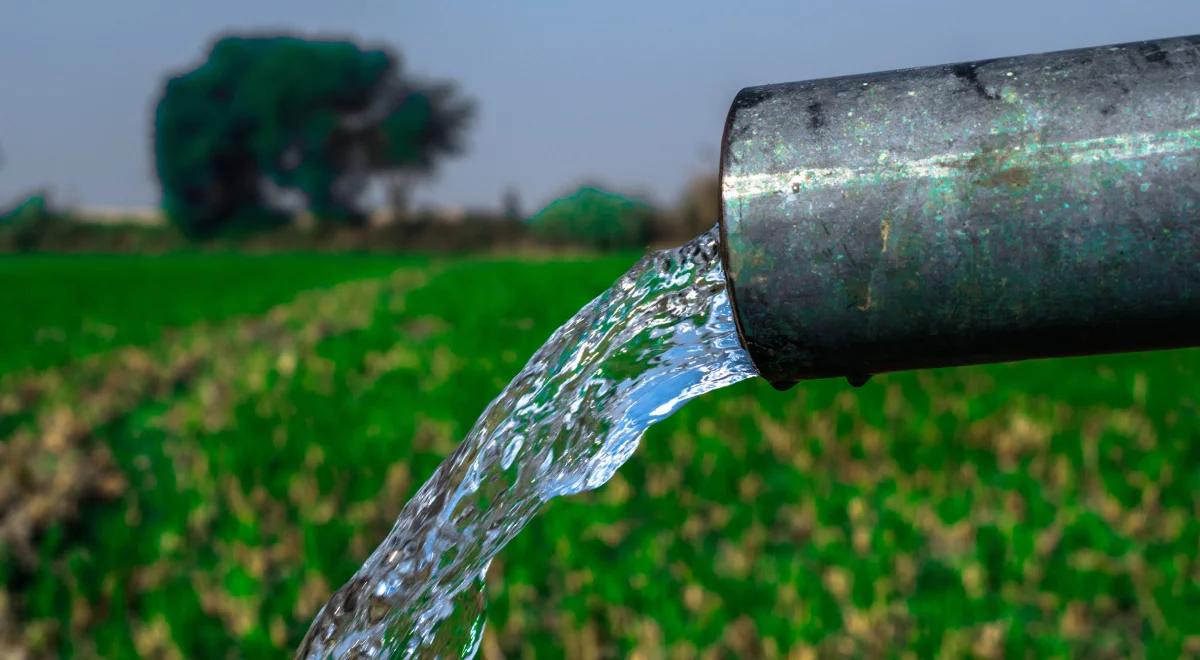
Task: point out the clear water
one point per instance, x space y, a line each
663 334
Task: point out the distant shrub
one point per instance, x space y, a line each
596 218
699 207
23 226
33 206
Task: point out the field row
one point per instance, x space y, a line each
201 492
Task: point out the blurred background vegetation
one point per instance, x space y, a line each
210 416
277 142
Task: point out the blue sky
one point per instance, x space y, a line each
629 92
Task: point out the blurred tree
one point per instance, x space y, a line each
32 206
699 208
267 117
510 204
24 226
595 217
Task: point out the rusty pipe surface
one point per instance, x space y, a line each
1033 206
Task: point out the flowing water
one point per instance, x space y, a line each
663 334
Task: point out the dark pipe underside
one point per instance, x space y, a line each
1035 206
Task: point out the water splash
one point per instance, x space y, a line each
663 334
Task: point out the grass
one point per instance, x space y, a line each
59 308
221 478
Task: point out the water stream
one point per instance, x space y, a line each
663 334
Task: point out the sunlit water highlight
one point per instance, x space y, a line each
663 334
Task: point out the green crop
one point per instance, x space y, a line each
225 474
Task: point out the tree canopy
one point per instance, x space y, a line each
595 217
269 125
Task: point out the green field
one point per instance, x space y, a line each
195 450
63 307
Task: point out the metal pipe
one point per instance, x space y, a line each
1034 206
